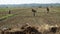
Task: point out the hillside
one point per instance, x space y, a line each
31 5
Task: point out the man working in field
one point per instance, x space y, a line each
34 11
47 10
9 11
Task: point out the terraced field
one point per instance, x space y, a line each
25 15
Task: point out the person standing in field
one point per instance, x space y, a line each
9 11
34 11
47 10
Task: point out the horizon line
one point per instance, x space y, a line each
31 3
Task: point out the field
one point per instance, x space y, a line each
25 15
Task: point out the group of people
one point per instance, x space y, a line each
34 11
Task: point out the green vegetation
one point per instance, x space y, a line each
7 16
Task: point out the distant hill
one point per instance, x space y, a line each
30 5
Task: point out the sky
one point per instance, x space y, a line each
28 1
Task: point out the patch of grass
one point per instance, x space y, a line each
7 16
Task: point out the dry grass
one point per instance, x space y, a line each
28 29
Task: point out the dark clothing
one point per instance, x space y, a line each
34 11
9 12
47 10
